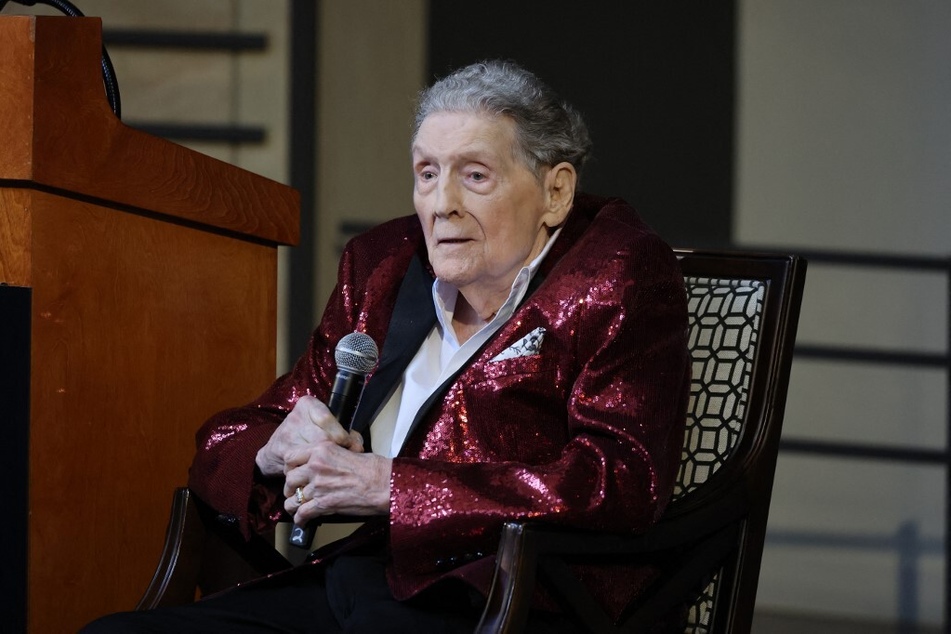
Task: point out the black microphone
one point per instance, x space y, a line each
356 355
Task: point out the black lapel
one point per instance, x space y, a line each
437 395
412 319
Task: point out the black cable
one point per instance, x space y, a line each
109 80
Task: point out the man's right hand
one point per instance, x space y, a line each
308 423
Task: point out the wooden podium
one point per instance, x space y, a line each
137 297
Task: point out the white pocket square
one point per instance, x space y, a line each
527 346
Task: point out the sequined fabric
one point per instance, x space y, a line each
584 431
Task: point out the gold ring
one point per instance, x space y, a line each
300 495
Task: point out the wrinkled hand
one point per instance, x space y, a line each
314 452
336 480
309 423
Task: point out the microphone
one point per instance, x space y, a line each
356 355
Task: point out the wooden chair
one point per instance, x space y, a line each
744 310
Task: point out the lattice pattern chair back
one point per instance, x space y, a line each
724 318
723 324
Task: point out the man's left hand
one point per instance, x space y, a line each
335 480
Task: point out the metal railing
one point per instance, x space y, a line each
880 452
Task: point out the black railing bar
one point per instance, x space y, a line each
857 258
855 450
356 226
866 542
947 475
185 40
203 132
898 357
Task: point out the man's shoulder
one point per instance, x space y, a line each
399 237
601 225
391 231
599 212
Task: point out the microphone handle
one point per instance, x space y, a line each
344 397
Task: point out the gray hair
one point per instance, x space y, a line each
548 130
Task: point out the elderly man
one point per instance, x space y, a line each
534 365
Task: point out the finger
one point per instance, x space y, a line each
290 488
304 513
297 472
299 496
291 504
295 458
320 415
356 442
301 512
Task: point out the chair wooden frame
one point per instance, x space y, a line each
717 528
203 555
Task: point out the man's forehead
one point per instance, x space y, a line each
464 134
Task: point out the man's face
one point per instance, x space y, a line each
484 213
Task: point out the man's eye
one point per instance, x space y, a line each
477 176
427 175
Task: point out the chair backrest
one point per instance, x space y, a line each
743 314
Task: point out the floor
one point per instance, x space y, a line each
773 623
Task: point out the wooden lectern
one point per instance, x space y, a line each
137 297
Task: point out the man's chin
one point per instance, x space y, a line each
453 272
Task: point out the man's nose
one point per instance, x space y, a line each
448 199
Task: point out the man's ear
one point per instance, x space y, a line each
560 185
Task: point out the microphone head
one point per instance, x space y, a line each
356 353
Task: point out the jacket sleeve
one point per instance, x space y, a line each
617 431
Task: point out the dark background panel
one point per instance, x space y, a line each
14 451
655 82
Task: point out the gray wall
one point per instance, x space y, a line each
844 142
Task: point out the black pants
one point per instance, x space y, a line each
348 595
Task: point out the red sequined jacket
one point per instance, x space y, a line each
587 432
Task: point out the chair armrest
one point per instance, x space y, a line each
176 576
696 540
202 556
